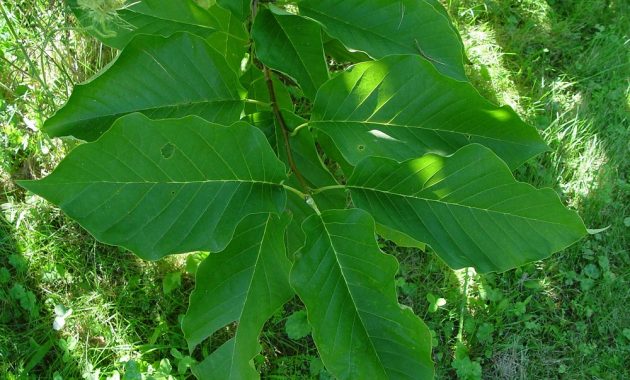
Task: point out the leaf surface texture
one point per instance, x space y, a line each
347 285
167 186
246 283
467 207
400 107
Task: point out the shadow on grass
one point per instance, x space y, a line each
569 66
119 307
27 340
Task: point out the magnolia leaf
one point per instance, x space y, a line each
231 39
167 186
387 27
347 285
240 8
246 283
401 108
159 77
293 45
468 207
117 25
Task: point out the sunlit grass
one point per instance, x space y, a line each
563 67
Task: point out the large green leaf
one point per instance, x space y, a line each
400 107
293 45
230 39
240 8
160 77
386 27
246 283
347 285
167 186
467 207
117 26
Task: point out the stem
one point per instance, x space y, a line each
283 127
460 333
295 191
278 116
327 188
297 129
304 197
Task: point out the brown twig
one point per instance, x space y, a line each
285 130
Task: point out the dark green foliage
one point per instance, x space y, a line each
193 145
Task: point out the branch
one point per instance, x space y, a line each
285 130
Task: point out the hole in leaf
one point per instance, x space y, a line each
361 148
167 150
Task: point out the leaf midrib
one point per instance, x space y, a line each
162 182
247 293
447 204
465 134
354 303
150 109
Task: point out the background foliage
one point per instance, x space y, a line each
562 65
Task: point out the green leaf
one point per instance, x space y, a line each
160 77
246 283
240 8
467 207
341 54
120 24
347 285
171 281
387 27
293 45
167 186
231 39
400 107
254 82
297 326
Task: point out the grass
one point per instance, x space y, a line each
564 66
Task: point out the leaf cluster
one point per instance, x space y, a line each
221 127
